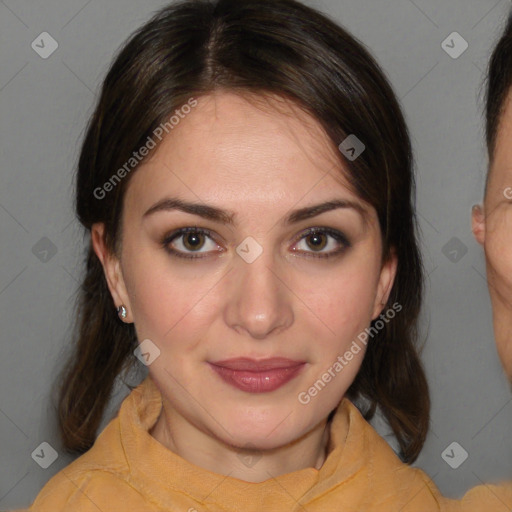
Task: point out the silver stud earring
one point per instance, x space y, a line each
122 312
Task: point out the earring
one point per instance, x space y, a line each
122 312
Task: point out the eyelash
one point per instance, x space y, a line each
337 235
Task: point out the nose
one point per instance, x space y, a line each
259 303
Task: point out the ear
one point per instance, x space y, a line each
478 223
111 268
386 280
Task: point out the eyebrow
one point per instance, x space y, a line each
227 217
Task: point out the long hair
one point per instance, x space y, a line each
190 49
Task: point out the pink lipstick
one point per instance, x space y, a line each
260 376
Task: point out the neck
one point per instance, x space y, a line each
250 465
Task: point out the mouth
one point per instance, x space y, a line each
254 376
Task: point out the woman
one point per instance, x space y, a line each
246 182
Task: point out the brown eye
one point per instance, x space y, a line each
316 241
313 242
193 241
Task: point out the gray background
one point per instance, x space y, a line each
45 104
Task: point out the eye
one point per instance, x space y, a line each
194 243
315 240
187 242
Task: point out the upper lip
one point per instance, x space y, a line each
247 364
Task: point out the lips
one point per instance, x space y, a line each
254 376
252 365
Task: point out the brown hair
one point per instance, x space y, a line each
499 82
191 48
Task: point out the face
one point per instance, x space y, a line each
248 312
492 226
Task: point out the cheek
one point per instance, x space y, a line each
340 300
167 301
498 249
344 301
505 352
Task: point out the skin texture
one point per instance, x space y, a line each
259 158
492 227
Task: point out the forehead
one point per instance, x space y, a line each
269 127
264 144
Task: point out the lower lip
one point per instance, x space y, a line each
258 382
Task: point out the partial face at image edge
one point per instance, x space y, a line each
492 227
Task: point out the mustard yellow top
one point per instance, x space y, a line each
127 470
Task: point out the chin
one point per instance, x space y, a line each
269 433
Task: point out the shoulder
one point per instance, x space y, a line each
101 478
392 478
488 497
97 480
392 482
